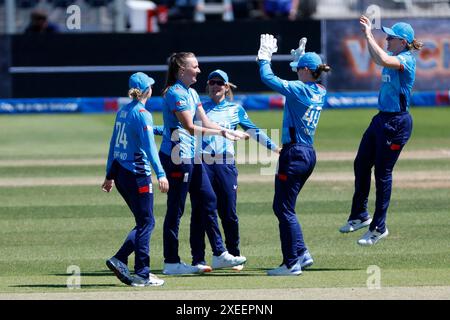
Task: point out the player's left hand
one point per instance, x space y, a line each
297 53
366 25
107 185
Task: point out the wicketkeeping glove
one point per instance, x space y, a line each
297 53
268 46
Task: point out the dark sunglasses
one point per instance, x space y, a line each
218 82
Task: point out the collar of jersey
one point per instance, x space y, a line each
182 84
221 104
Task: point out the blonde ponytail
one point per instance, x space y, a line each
415 45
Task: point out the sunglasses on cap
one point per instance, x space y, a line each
218 82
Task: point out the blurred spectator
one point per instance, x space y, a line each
242 8
281 8
39 23
180 9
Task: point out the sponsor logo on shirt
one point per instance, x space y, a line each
386 78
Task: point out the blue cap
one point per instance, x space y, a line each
400 30
141 81
219 73
311 60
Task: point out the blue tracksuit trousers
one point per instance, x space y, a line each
137 192
295 165
380 147
183 178
223 177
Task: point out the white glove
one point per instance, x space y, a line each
297 53
268 45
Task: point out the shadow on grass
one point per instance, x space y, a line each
332 269
86 274
247 272
61 286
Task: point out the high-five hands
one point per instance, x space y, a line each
297 53
267 46
235 135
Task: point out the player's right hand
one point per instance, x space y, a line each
240 134
163 184
267 46
366 25
107 185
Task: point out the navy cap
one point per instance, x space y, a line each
400 30
219 73
311 60
141 81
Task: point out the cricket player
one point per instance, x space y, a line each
304 102
186 172
219 158
388 131
132 150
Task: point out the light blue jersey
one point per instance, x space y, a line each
396 85
133 143
228 115
304 103
179 98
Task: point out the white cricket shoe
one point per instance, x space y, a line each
152 281
306 260
353 225
372 237
282 270
226 260
180 268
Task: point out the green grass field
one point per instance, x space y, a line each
47 227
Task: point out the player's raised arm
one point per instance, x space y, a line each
378 55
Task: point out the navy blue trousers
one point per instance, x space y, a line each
136 190
380 147
295 165
183 178
223 178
